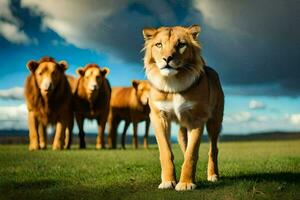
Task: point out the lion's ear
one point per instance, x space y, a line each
63 64
149 33
194 30
104 71
32 65
80 71
135 84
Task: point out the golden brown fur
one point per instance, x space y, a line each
185 91
91 100
186 75
131 105
48 99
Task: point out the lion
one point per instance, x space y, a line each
131 105
91 100
48 97
186 91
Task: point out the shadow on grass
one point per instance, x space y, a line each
32 184
93 148
54 189
286 177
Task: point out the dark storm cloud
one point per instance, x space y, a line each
250 43
254 43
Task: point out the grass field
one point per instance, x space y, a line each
249 170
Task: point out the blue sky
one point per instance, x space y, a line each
254 51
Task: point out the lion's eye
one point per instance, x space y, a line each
181 45
159 45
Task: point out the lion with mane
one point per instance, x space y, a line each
48 97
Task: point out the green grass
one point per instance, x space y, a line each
249 170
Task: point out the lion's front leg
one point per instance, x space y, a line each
161 128
100 142
42 136
59 136
188 171
69 132
33 132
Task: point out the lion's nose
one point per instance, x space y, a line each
93 86
47 84
168 59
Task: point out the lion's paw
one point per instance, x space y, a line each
56 147
182 186
33 147
99 146
167 185
43 146
212 178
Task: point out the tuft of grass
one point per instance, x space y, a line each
249 170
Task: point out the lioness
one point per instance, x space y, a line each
91 100
131 105
186 91
48 98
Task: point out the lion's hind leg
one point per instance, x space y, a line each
213 127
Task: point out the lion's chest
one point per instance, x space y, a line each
177 107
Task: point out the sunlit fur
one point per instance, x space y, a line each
131 105
48 98
185 91
187 62
91 100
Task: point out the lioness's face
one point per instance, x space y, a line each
92 76
47 74
171 47
142 91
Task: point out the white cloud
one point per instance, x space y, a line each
293 118
78 22
12 93
10 26
13 117
104 26
247 122
6 13
245 117
238 117
13 112
12 33
254 104
262 118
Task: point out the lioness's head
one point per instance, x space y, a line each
92 76
172 57
142 89
48 73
